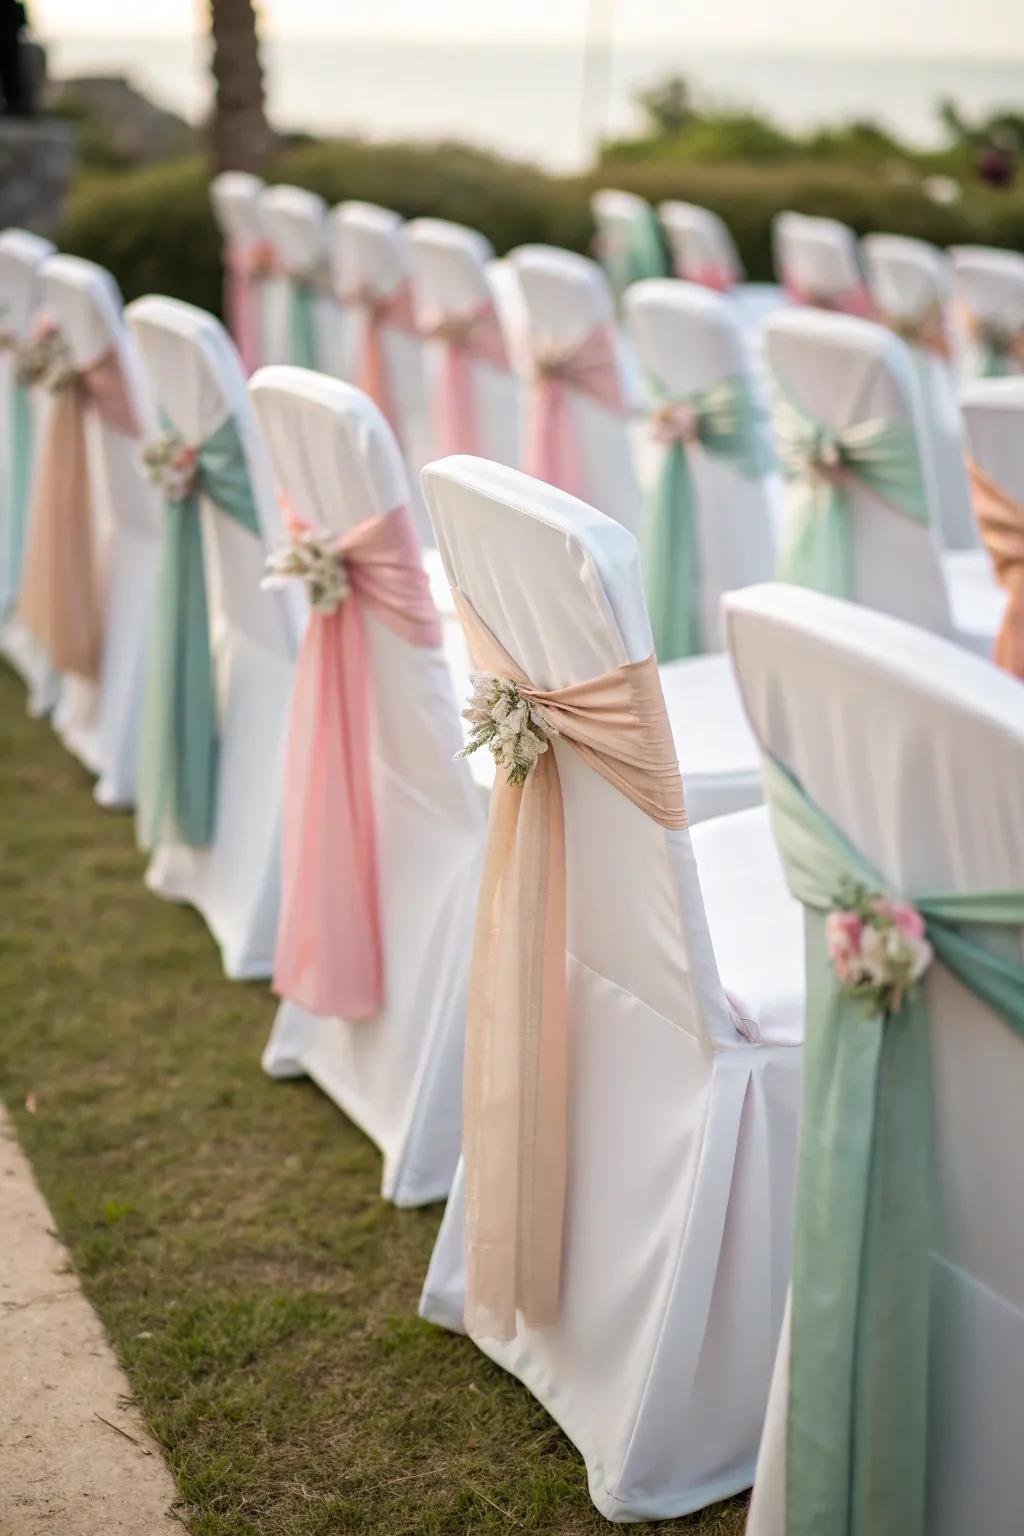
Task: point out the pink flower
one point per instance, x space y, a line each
843 932
907 919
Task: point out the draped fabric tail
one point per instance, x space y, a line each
329 952
458 425
242 305
22 435
1001 520
672 559
553 449
178 750
372 370
302 302
61 601
817 546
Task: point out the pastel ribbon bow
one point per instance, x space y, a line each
179 747
246 263
726 421
589 368
818 464
380 312
858 1371
925 329
467 337
329 955
61 603
514 1093
1001 520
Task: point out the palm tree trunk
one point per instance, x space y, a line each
241 137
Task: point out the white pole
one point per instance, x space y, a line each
595 101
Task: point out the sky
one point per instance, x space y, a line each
946 27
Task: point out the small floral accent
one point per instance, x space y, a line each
877 948
171 466
676 422
44 360
507 724
313 556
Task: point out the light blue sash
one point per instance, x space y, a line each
179 741
22 428
731 426
858 1374
816 463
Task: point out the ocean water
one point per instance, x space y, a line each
540 102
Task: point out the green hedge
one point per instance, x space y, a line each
154 229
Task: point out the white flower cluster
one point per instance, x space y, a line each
507 724
171 466
311 556
46 361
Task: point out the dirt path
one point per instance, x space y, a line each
63 1470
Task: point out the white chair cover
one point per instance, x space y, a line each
989 285
399 1074
908 280
815 256
842 370
994 417
295 223
99 722
689 339
21 259
453 276
915 750
681 1134
198 383
567 297
701 244
237 201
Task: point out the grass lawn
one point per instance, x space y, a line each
228 1229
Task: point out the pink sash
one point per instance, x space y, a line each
553 449
381 312
61 601
329 955
473 336
713 276
244 266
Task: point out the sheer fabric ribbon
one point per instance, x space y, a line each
245 264
591 368
61 602
381 313
726 421
818 463
1001 520
857 1425
179 744
329 955
466 337
514 1092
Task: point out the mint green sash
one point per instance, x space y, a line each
858 1373
816 462
641 254
18 484
730 426
302 300
179 745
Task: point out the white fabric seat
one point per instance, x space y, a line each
295 223
842 370
99 722
198 383
398 1075
910 280
22 255
718 756
915 750
681 1134
989 287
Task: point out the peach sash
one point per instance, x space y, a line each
926 329
846 301
380 312
471 336
515 1076
62 589
553 449
329 955
1001 520
245 263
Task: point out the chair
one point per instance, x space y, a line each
473 392
703 251
710 523
21 413
994 418
680 1130
816 260
393 1063
910 284
302 317
215 838
989 289
578 399
629 239
915 751
846 397
237 199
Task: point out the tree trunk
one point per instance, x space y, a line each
241 137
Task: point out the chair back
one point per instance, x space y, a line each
295 222
236 197
989 289
816 260
629 240
703 250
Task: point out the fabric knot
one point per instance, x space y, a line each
451 328
171 465
826 457
504 720
315 557
45 359
677 422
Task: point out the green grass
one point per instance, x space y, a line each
228 1229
